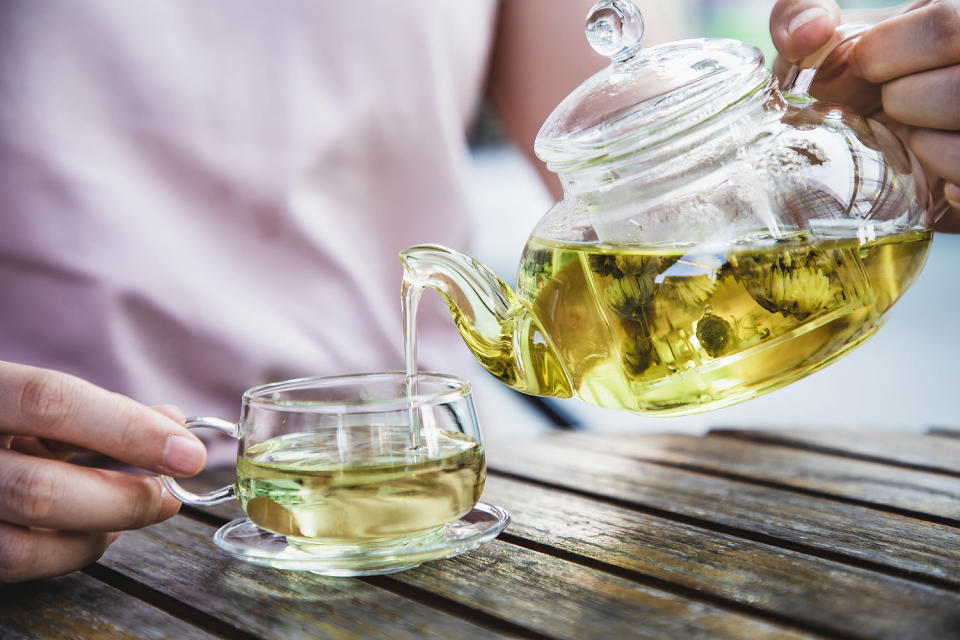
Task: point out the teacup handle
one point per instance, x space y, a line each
212 497
797 82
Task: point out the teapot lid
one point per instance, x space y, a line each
645 96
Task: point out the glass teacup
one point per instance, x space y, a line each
350 475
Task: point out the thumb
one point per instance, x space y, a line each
800 27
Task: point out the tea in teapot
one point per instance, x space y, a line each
717 238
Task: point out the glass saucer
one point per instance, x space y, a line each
244 540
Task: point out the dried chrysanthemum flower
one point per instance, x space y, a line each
604 264
627 295
636 265
690 291
795 282
714 334
634 327
632 265
638 355
825 260
798 292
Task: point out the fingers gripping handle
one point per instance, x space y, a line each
798 80
213 497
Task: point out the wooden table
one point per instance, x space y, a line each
770 534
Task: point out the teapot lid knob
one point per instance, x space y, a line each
614 29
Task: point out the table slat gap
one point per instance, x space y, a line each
203 515
177 608
767 577
786 441
77 605
932 494
874 536
300 600
497 579
481 618
697 595
775 615
571 601
770 484
454 608
943 432
747 534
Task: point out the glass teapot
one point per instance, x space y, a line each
717 238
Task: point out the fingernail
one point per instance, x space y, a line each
952 193
183 455
806 16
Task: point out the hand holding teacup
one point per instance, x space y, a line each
56 516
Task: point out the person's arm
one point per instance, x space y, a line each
907 67
55 516
541 55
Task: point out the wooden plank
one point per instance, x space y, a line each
543 594
538 593
795 586
743 509
562 599
79 606
800 589
179 559
908 449
868 482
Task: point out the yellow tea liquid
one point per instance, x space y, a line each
669 330
299 485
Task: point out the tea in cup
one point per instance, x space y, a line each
353 475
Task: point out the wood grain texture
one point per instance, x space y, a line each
562 599
836 597
650 537
483 579
745 509
908 449
868 482
179 559
79 606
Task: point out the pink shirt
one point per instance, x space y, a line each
203 196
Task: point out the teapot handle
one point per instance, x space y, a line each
797 82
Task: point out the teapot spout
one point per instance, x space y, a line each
499 329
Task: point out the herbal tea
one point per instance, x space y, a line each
300 485
675 330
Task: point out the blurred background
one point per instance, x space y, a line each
901 379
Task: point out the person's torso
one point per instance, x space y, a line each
203 196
